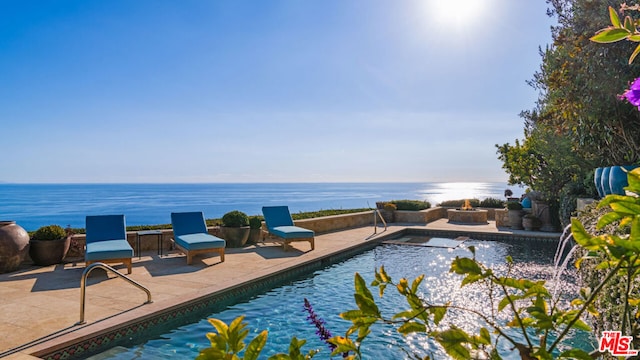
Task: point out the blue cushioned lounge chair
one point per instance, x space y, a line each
280 224
107 240
191 237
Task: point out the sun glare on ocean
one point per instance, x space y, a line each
439 192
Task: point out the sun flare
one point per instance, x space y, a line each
458 14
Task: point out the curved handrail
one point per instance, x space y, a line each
83 283
375 220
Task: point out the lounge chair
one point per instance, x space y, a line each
107 240
191 237
280 224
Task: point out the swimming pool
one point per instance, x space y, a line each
330 291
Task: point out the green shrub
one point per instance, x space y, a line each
459 203
321 213
514 205
235 218
255 222
411 205
49 232
492 203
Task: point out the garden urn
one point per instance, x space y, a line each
14 244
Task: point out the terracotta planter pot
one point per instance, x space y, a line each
49 252
235 236
529 224
14 243
254 236
515 219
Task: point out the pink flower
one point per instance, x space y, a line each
633 94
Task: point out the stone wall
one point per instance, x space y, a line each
320 225
420 217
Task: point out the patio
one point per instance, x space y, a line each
41 305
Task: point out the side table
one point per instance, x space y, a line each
140 234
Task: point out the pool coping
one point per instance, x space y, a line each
101 335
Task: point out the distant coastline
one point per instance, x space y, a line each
33 205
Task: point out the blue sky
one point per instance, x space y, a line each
264 91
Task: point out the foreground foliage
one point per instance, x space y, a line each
530 305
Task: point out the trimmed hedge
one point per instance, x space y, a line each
492 203
411 205
459 203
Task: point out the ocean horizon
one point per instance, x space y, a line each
35 205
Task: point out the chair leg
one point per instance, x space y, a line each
189 258
221 251
313 244
128 263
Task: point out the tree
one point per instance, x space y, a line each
578 122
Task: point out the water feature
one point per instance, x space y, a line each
330 292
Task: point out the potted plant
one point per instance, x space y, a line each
49 245
235 228
515 214
255 229
389 211
530 222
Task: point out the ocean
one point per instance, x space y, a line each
35 205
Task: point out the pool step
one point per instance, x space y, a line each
428 241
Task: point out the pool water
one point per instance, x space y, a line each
330 291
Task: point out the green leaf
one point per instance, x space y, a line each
278 357
610 35
628 24
383 275
607 219
576 354
579 324
473 250
633 176
453 341
255 346
342 344
367 305
634 234
438 313
579 233
351 314
470 279
626 208
485 336
613 15
465 266
211 354
507 300
295 348
416 283
382 287
361 287
412 327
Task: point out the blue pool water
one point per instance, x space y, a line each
330 291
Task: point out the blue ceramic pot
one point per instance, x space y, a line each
618 178
597 180
604 181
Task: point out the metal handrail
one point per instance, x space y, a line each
375 222
83 283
